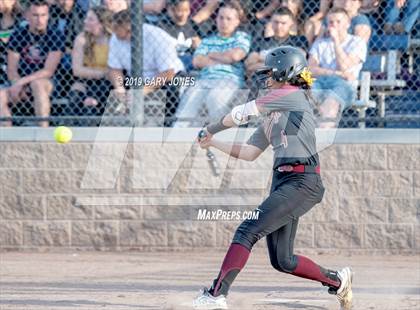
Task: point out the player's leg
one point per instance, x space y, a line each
4 107
41 91
283 205
280 246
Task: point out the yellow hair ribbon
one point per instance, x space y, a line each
306 75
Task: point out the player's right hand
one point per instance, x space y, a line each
204 138
205 143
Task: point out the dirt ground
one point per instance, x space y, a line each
170 280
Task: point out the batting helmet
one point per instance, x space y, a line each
282 64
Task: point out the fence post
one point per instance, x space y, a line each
137 61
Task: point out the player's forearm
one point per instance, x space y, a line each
235 150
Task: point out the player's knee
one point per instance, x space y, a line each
245 237
287 264
275 264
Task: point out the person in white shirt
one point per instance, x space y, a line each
160 60
336 60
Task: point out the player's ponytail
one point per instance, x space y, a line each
304 81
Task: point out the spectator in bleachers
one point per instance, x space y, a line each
282 22
219 59
409 12
34 52
116 6
10 18
67 16
178 24
359 25
336 61
89 93
157 61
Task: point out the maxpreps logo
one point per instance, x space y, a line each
221 215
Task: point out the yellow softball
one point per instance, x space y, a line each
62 134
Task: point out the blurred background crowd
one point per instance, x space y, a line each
70 61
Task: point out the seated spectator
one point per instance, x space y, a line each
359 26
89 93
67 16
158 62
178 24
282 21
116 6
34 52
296 7
10 18
336 61
409 12
219 58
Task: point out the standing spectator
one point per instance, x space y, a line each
68 17
90 57
178 24
282 21
116 6
408 9
158 62
219 58
336 61
359 25
10 18
33 54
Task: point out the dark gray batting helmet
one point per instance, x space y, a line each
282 64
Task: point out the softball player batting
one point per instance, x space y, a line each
289 126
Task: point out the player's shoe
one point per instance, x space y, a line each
344 292
206 301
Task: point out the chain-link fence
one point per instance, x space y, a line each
185 62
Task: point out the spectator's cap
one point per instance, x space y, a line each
283 64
